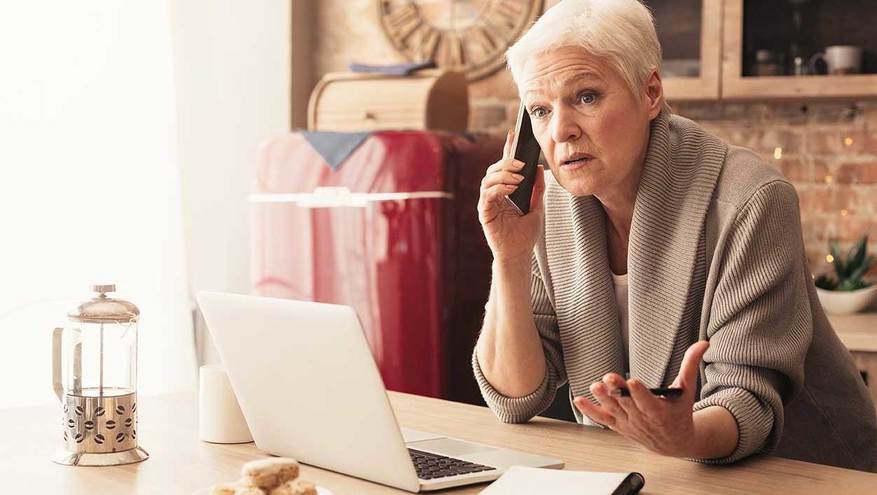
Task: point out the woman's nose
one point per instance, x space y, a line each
564 126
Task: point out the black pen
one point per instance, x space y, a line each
660 391
631 485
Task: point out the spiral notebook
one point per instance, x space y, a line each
520 480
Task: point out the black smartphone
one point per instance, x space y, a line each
526 149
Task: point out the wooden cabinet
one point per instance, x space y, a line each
834 23
858 332
690 36
709 47
867 364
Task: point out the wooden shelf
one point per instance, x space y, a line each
852 86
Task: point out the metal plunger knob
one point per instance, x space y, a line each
104 288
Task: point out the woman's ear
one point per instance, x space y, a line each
654 95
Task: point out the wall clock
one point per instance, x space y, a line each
470 36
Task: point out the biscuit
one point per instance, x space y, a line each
295 487
248 490
269 473
223 489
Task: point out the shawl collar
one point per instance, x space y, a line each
587 313
681 168
680 173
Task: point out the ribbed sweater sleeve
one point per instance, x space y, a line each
760 323
522 409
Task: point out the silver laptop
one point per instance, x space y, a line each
309 389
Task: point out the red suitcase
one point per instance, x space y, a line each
392 232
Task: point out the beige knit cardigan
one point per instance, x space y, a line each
715 254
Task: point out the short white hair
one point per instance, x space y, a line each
619 31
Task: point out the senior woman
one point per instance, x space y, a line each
656 251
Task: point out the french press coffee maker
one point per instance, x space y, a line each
94 366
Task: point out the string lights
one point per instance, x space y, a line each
829 179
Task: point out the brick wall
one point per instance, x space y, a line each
828 150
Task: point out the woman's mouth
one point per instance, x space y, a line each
576 163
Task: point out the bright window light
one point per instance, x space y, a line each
89 189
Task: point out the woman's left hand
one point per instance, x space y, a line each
662 425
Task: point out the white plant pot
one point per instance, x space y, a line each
836 302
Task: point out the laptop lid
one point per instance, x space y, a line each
308 386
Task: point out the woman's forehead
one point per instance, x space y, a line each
555 70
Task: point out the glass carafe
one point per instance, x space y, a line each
94 359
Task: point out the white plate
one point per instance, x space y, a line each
320 491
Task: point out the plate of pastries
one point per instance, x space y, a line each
270 476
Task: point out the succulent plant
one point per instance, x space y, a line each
849 270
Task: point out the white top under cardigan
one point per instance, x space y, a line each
620 283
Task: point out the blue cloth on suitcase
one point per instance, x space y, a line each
335 147
394 69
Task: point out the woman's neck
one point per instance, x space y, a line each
618 205
620 216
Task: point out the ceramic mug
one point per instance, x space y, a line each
220 419
840 59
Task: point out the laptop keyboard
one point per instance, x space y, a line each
430 466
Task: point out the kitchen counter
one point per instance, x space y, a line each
858 331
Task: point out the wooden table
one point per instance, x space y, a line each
180 463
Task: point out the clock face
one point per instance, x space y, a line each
464 35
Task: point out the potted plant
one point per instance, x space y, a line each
847 292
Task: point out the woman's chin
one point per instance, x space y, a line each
577 185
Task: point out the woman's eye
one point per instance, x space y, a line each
538 112
588 98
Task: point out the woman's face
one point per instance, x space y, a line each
593 131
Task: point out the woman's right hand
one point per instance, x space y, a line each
510 235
